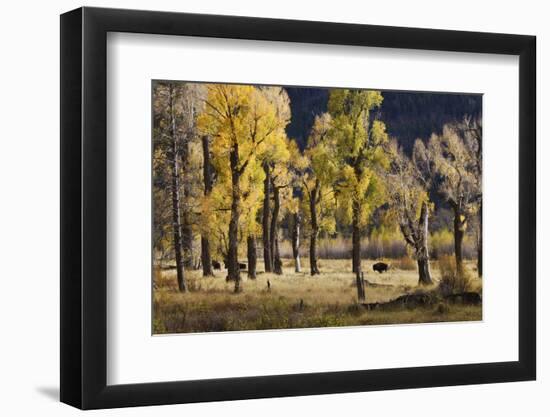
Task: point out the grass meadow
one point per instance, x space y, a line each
298 300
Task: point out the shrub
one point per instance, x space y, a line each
442 308
451 281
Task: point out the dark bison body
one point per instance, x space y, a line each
216 265
380 267
241 265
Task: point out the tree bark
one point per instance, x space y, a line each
277 263
206 257
356 253
422 254
360 284
296 241
274 243
314 231
265 220
479 136
176 225
356 239
458 237
233 270
424 275
251 255
313 253
480 243
187 230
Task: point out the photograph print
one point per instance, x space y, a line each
279 207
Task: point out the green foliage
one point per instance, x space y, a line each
319 176
359 141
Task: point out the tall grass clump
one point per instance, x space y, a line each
451 281
405 263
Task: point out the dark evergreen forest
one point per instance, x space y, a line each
408 115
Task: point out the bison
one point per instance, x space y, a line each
380 267
241 265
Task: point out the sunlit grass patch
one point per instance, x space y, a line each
294 300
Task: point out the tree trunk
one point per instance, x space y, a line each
274 244
356 255
360 284
424 275
265 220
480 243
187 230
313 253
422 253
459 236
314 233
277 263
296 241
206 257
356 239
233 270
251 255
176 225
479 136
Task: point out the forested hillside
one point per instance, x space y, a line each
407 115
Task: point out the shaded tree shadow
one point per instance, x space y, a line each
50 392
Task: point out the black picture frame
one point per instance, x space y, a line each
84 207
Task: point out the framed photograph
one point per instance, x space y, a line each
257 208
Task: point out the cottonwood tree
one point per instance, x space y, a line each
251 204
359 140
287 173
295 224
189 100
297 167
240 120
162 214
274 155
471 129
167 112
280 182
408 184
208 178
318 182
455 161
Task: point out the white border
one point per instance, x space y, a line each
134 356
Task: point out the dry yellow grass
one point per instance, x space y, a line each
295 300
